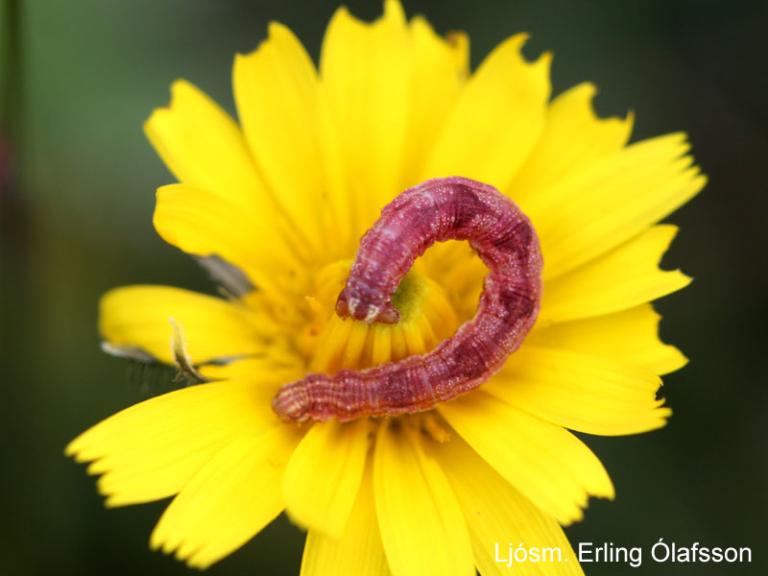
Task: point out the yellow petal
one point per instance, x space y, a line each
229 500
268 372
591 211
141 316
499 516
585 393
630 337
357 551
497 119
624 278
151 450
574 137
202 223
276 90
546 463
202 145
440 69
422 526
366 75
323 475
205 149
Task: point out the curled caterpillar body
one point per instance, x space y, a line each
437 210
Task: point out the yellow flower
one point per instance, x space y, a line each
284 198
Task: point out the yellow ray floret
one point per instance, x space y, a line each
151 450
609 202
141 317
231 498
496 120
358 550
420 514
573 138
629 337
497 514
321 481
546 463
623 278
581 392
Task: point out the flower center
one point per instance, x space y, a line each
329 343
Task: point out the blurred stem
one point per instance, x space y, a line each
13 220
12 82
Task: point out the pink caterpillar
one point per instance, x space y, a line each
434 211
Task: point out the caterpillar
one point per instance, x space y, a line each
437 210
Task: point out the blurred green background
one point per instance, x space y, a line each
79 78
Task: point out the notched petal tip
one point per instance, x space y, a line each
340 18
394 9
239 61
603 488
629 120
275 28
589 91
512 48
458 40
677 360
72 450
181 88
685 280
700 180
545 59
519 39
